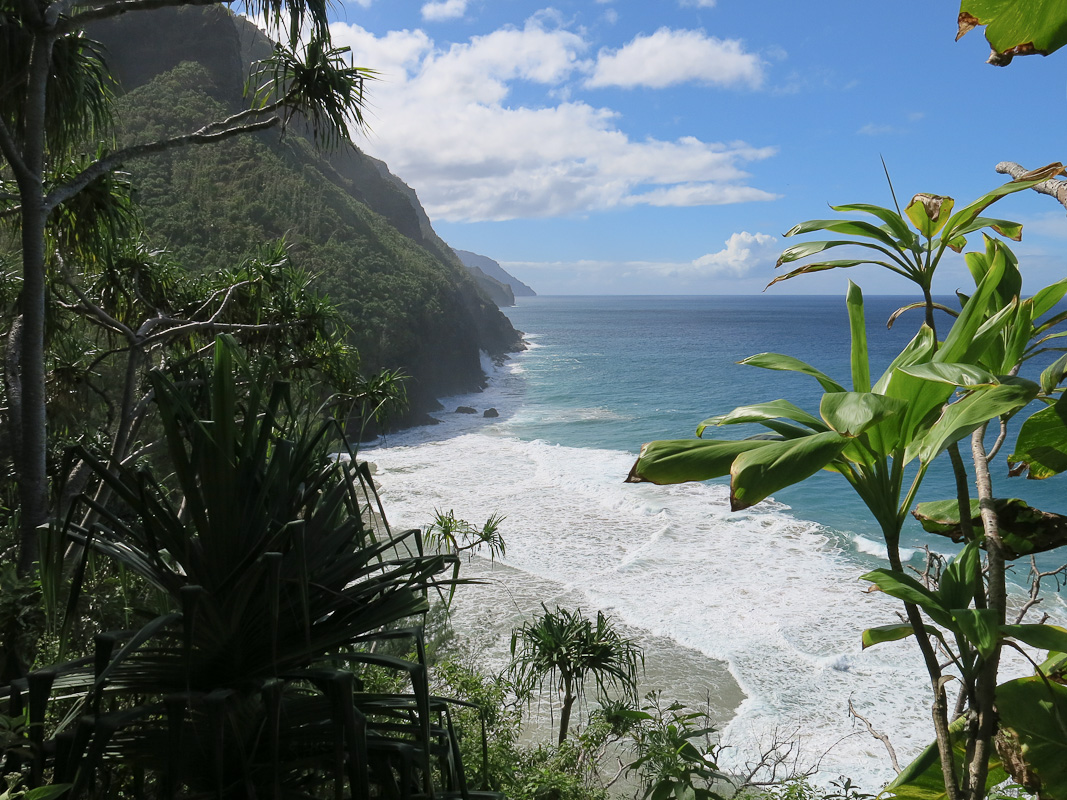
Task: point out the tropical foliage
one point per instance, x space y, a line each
883 435
568 647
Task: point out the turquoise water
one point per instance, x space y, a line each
772 592
614 372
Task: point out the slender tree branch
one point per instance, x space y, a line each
879 736
1052 187
9 147
91 309
107 10
1000 440
111 162
197 327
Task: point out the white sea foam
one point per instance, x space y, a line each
772 596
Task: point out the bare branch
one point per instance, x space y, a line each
1052 187
113 8
197 327
1000 440
879 736
111 162
10 149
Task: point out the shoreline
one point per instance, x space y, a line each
484 614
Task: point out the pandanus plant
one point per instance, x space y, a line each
882 436
270 577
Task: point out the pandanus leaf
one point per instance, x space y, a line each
680 460
759 472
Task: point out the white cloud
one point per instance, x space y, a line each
444 10
445 120
871 129
743 251
697 3
670 57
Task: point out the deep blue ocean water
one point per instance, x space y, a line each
773 592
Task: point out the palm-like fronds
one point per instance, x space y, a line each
568 647
272 576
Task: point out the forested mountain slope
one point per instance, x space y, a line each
358 229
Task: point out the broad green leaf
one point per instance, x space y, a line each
680 460
967 415
972 316
1046 299
759 412
822 266
892 219
1006 228
979 627
1024 530
924 401
918 350
929 213
758 473
1044 637
1033 715
804 249
1014 28
953 374
783 363
960 577
849 227
987 343
969 213
1042 444
886 633
923 779
1052 376
906 588
852 413
861 370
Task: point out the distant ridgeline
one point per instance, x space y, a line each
347 219
501 287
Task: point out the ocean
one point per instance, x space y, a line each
758 612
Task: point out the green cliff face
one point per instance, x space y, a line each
408 299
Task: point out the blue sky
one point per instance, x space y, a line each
663 147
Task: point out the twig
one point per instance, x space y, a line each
879 736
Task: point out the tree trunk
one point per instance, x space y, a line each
31 462
565 714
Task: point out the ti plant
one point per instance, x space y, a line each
883 435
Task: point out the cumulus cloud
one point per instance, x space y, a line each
444 10
670 57
743 251
445 119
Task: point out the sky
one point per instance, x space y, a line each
664 146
